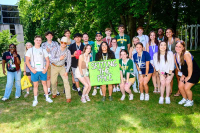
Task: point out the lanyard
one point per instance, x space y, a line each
139 60
161 39
78 47
170 45
12 58
109 41
153 47
105 57
179 62
124 68
122 42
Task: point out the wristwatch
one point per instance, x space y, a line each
170 74
146 75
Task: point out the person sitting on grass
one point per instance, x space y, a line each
105 53
12 60
37 56
164 65
82 73
27 71
189 72
126 74
145 69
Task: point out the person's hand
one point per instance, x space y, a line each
75 53
24 73
62 57
4 72
33 71
66 75
14 54
182 78
48 50
44 71
187 78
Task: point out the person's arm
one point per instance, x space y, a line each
130 52
3 66
29 65
68 61
155 61
136 63
147 67
147 47
128 46
121 74
147 59
171 62
17 58
176 63
25 65
188 59
47 65
80 64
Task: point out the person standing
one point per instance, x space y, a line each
160 35
108 38
144 39
86 41
49 45
123 40
164 65
12 61
61 56
76 49
37 56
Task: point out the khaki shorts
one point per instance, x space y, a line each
131 80
49 71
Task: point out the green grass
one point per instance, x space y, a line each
18 115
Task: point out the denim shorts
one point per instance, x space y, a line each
38 76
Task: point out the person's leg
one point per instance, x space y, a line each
178 79
9 84
181 89
89 85
122 88
86 86
158 81
162 88
103 88
54 77
110 89
188 91
28 89
127 87
141 81
168 81
171 86
17 83
145 83
35 89
49 78
154 80
43 78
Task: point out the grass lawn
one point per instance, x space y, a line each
18 115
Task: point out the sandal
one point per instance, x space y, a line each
155 91
177 94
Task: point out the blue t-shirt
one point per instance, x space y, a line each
145 57
116 52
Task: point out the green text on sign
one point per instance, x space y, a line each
104 72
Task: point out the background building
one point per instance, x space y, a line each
10 20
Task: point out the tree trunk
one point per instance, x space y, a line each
176 16
131 26
140 21
123 21
112 27
150 14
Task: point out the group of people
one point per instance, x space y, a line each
157 57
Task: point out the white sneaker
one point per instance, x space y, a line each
118 89
114 89
87 98
94 92
83 100
142 96
123 97
35 103
131 97
49 100
135 90
161 100
4 99
167 100
16 97
189 103
100 91
182 101
146 97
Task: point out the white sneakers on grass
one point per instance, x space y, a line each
135 90
36 102
161 100
87 98
123 97
4 99
130 96
117 88
187 103
114 89
182 101
94 92
144 97
100 91
167 100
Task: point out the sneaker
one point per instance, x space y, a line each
103 99
161 100
74 87
146 97
110 98
49 93
182 101
83 100
35 103
64 91
58 94
16 97
80 93
142 96
123 97
167 100
135 90
49 100
100 91
114 89
118 89
94 92
87 98
26 95
4 99
189 103
130 96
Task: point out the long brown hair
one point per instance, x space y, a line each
15 58
156 40
165 51
84 49
182 53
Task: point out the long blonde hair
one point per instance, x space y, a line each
133 45
26 46
183 51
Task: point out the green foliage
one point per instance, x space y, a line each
6 40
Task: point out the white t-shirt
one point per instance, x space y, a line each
37 57
144 39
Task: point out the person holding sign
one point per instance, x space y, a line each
189 72
145 69
123 40
13 61
126 74
82 73
105 53
152 48
164 65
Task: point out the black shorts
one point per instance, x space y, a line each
28 73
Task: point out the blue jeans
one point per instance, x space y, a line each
10 80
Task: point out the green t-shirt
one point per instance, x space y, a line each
127 68
122 41
95 49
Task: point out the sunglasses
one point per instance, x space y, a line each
12 47
180 41
63 43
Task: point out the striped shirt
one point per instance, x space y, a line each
55 57
51 46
